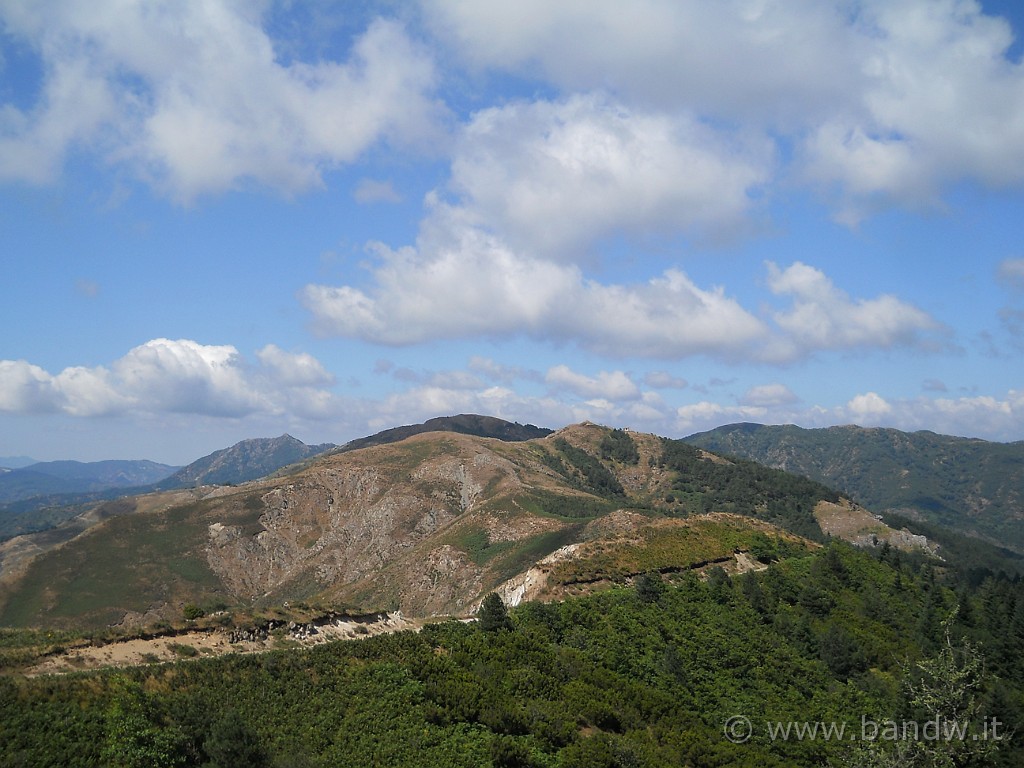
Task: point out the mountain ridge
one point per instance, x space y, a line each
245 460
463 423
53 477
970 485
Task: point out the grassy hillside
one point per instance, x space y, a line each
972 486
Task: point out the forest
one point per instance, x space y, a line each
656 672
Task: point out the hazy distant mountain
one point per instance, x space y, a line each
244 461
464 424
59 477
16 462
970 485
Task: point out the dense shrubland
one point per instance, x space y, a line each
643 676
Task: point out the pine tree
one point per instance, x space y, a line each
493 615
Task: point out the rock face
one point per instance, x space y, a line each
363 517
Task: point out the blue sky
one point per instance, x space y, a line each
223 220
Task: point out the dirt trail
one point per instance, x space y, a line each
216 642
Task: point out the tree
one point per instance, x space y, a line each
135 737
649 587
841 652
944 693
231 743
493 615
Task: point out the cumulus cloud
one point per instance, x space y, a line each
294 369
609 385
473 285
553 177
868 408
989 416
171 376
192 97
769 395
884 102
940 102
824 317
500 372
470 284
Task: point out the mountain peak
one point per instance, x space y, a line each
463 423
245 460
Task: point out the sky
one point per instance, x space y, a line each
222 220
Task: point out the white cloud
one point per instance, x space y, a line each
881 102
186 377
868 408
464 283
553 177
25 388
824 317
167 376
191 96
767 395
294 368
472 285
697 417
884 102
732 59
939 102
609 385
664 380
989 416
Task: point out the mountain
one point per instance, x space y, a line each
58 477
427 525
15 462
252 459
465 424
37 502
244 461
968 485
